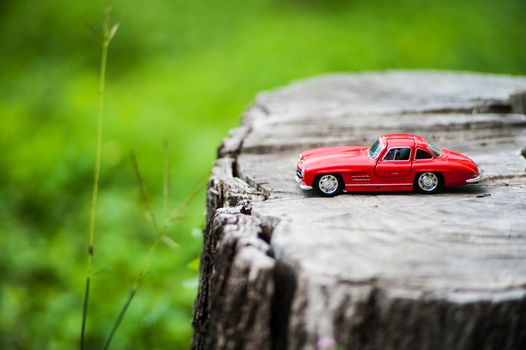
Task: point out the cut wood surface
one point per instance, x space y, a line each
286 269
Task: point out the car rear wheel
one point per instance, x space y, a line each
328 185
428 182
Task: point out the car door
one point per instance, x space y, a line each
395 163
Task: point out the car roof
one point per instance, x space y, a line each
407 140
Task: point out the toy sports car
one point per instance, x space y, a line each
395 162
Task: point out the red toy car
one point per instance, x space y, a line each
395 162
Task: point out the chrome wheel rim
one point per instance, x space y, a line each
328 184
428 181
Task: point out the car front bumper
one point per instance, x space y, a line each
301 184
473 180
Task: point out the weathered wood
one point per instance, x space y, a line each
282 269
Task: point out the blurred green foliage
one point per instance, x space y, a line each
179 71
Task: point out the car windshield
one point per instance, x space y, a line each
434 149
375 149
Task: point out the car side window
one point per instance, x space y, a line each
421 154
398 154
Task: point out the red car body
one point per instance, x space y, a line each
396 162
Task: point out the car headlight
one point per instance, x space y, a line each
299 156
303 172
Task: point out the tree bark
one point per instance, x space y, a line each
285 269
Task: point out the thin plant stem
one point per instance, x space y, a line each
131 294
142 273
178 212
117 323
108 34
144 196
159 236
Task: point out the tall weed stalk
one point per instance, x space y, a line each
169 216
160 234
108 34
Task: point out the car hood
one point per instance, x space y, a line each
332 156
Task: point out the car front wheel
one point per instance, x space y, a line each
428 182
328 185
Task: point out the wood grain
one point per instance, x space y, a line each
285 269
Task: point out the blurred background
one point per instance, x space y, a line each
179 71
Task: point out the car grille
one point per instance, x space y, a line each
299 175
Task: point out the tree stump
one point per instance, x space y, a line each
285 269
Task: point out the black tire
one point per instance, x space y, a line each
428 182
328 185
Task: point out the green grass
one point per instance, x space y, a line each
179 72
